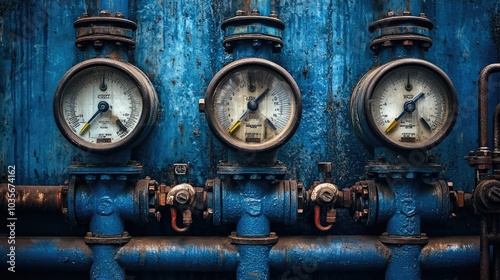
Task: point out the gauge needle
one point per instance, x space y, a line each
425 123
103 106
408 86
118 122
271 125
409 107
103 85
252 105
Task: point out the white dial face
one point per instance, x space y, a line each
410 106
101 105
254 105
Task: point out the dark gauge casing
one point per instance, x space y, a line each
253 105
406 104
103 105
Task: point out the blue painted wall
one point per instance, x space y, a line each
179 46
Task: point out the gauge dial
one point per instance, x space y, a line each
409 104
253 105
102 105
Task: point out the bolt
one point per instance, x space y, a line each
422 15
255 12
387 44
407 43
119 15
390 13
273 14
406 13
256 44
104 13
152 212
255 177
201 105
182 196
84 15
326 195
158 216
88 234
240 13
151 189
97 43
238 177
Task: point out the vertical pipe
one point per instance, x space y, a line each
104 267
496 129
397 6
484 266
94 7
483 102
264 6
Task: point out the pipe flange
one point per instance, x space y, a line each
104 28
107 239
256 29
240 240
405 29
424 42
404 240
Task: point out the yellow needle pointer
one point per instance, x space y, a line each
409 107
235 126
252 105
103 106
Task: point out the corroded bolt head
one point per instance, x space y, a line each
182 197
104 13
326 195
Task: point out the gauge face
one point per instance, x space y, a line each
253 105
102 106
411 105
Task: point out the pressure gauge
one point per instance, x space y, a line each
406 104
253 105
103 105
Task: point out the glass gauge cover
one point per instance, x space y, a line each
103 105
409 104
253 105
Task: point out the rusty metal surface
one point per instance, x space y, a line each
178 254
483 102
32 199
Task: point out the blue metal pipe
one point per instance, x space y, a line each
453 252
254 262
329 253
46 253
105 265
404 263
94 7
397 6
312 253
178 254
264 6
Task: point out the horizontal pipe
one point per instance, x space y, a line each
453 252
33 199
329 253
309 253
190 253
45 253
483 102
